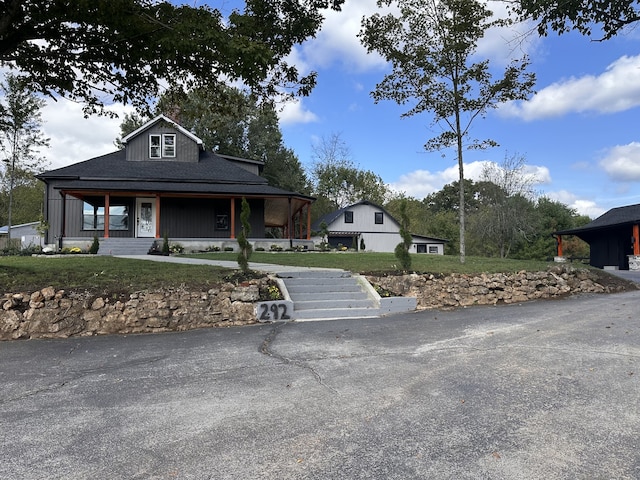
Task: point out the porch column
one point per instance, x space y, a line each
300 222
106 215
158 216
559 244
634 260
233 218
63 226
309 221
289 226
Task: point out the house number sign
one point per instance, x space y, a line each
281 310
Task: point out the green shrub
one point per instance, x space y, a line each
95 245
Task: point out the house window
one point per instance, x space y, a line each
93 217
118 217
169 145
433 249
348 217
379 218
222 222
162 146
155 143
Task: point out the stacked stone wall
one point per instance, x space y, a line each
49 313
461 290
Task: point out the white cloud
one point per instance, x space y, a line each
420 183
74 138
504 44
337 40
622 162
616 89
295 112
580 205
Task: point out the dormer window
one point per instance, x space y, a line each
162 146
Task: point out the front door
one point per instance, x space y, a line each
145 217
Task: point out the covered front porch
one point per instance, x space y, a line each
197 221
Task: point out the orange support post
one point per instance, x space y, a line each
559 241
309 221
636 240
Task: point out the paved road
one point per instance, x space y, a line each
544 390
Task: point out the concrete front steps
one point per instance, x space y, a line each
125 246
333 294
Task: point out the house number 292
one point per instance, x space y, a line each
271 311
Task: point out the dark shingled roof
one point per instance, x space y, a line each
212 174
615 217
114 166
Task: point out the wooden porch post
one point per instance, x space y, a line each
289 229
233 218
158 216
559 241
300 222
63 227
636 240
308 220
107 199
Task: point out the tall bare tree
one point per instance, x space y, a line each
431 45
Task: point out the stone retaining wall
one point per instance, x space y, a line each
49 313
460 290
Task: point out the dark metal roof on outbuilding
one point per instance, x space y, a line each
615 217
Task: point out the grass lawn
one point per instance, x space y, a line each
384 262
101 273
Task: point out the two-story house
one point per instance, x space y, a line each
164 182
369 225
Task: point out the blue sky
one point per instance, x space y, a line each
578 133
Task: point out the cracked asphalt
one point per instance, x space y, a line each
542 390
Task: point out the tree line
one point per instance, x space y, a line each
127 50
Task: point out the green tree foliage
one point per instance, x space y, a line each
506 215
245 246
431 47
609 17
121 50
338 182
20 141
402 249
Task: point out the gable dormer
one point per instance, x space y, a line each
162 139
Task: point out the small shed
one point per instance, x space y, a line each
27 234
612 238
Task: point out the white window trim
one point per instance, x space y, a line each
164 145
158 147
161 146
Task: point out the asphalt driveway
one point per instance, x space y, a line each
543 390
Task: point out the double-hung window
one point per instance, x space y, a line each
162 146
348 216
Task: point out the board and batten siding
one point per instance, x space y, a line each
186 149
364 221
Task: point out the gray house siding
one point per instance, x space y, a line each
186 149
187 196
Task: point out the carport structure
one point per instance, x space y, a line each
613 238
